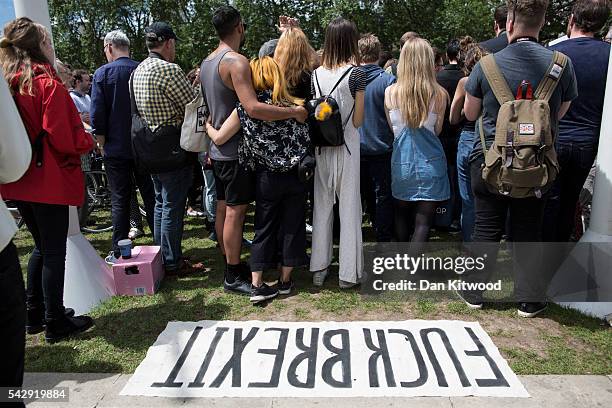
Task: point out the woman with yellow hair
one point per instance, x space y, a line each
415 108
273 150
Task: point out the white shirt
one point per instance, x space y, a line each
398 122
82 102
15 156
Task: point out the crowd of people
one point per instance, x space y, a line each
412 133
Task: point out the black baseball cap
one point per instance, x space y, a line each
159 32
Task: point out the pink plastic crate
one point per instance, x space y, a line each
140 275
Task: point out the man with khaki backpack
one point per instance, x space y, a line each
518 96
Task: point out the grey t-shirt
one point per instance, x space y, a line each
520 61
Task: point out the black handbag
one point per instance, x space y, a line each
159 151
306 167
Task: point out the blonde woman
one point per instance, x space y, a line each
337 171
273 151
295 56
415 108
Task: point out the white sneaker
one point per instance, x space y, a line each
110 259
194 213
318 277
135 233
308 228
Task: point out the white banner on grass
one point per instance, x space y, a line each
324 359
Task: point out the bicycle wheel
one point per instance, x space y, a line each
12 207
98 216
141 207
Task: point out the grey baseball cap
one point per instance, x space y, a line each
268 48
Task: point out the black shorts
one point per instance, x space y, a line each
234 184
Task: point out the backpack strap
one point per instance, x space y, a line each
317 81
496 79
133 97
549 83
482 135
336 84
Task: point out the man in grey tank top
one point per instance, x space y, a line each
226 80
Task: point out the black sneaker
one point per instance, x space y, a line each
263 292
239 286
285 288
35 319
472 299
531 309
60 329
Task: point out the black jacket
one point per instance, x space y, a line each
448 78
496 44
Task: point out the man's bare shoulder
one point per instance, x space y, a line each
234 59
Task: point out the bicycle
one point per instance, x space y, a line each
95 215
12 207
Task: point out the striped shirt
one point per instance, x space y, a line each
161 90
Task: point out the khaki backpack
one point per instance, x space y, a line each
522 161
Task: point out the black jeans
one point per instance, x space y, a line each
525 225
279 220
48 224
123 179
575 160
376 173
12 319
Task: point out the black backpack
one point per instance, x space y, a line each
159 151
329 131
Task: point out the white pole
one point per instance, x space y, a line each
600 226
36 10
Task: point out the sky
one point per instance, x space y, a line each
7 13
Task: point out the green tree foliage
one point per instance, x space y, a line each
79 26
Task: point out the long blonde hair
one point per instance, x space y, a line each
416 85
267 76
294 55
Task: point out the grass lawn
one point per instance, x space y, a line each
560 342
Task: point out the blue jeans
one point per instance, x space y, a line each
209 196
575 160
171 190
464 149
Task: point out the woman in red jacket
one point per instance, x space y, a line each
54 179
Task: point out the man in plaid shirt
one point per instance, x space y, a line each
161 91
